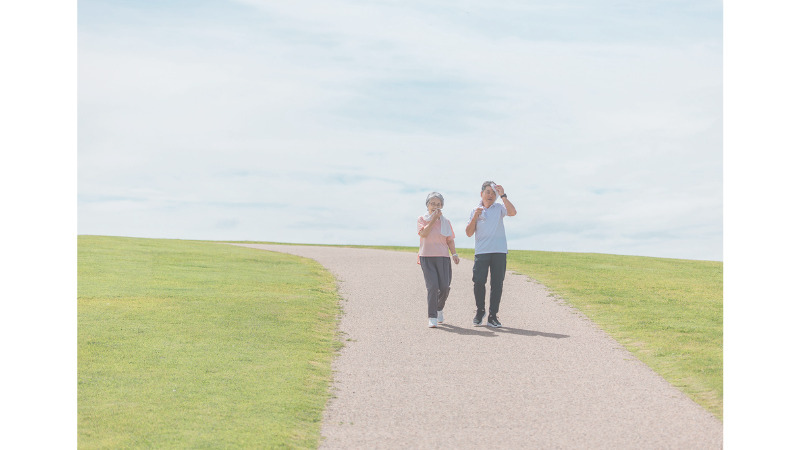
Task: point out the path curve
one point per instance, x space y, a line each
549 378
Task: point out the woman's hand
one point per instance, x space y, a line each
426 230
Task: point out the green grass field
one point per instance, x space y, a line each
667 312
195 344
201 344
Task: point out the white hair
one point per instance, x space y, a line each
434 194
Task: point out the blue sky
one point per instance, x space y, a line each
329 122
191 114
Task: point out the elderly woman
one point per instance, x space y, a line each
436 243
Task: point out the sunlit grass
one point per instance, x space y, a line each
668 312
193 344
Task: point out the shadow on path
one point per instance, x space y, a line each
476 331
529 333
486 332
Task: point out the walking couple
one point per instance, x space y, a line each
437 243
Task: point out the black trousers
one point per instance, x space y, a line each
480 272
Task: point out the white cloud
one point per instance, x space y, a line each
330 122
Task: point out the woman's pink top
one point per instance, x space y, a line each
434 244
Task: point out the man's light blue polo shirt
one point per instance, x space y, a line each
490 234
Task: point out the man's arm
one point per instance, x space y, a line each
512 211
474 222
509 207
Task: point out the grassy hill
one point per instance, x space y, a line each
195 344
198 344
667 312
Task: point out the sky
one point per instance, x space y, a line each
116 148
330 121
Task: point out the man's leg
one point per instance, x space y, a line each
480 272
498 266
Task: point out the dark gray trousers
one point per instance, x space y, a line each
438 274
480 272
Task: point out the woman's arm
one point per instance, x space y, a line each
451 245
426 230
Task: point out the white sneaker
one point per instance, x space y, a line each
440 317
432 322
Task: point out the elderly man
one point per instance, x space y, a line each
491 249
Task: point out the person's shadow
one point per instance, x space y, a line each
486 332
529 332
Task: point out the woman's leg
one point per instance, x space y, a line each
428 265
445 277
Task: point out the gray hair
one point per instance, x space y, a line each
486 183
434 194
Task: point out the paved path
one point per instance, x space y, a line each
548 379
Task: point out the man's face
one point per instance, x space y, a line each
488 196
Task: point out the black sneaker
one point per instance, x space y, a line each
493 322
479 317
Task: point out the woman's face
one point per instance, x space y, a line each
434 204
